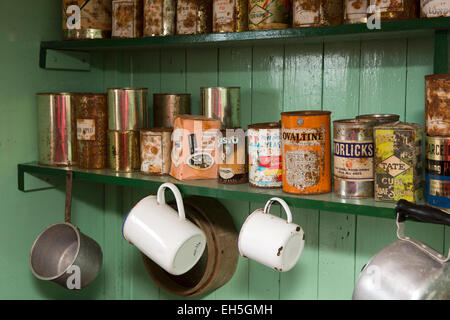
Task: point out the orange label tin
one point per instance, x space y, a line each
306 151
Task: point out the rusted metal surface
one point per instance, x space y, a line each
230 15
127 108
159 17
380 118
269 14
167 105
194 16
156 148
434 8
123 151
355 11
222 103
309 13
127 18
437 105
232 167
397 9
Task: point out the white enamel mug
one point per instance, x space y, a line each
270 240
163 234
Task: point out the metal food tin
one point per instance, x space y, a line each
92 126
438 172
264 155
86 19
57 140
437 105
123 151
156 146
380 118
312 13
194 16
397 9
306 151
269 14
353 150
167 105
127 108
230 15
434 8
127 18
159 17
222 103
355 11
232 168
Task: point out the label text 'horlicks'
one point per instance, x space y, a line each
353 150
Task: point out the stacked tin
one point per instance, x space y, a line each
127 18
313 13
167 105
159 17
194 16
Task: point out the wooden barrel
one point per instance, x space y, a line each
217 264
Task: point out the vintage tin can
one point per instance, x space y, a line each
57 140
269 14
264 155
230 15
438 172
159 17
123 151
355 11
353 150
398 161
232 168
156 146
312 13
194 16
92 127
434 8
86 19
222 103
306 151
437 105
380 118
397 9
127 18
127 108
167 105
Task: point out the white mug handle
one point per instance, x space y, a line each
160 197
283 204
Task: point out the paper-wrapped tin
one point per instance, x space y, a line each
222 103
156 148
127 108
312 13
233 164
167 105
159 17
127 18
123 151
437 105
194 16
230 15
269 14
434 8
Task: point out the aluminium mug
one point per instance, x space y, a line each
163 234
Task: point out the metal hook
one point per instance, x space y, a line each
68 211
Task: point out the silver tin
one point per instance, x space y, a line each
127 108
222 103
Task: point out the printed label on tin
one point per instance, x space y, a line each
153 15
438 149
439 188
123 19
389 5
224 14
306 12
353 160
86 129
151 154
187 17
394 166
435 8
441 168
355 9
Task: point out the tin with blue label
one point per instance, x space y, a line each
438 172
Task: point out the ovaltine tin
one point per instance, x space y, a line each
269 14
309 13
437 105
305 148
127 108
156 146
355 11
230 15
83 19
123 151
194 16
264 155
222 103
127 18
232 167
57 140
438 172
380 118
353 150
397 9
92 126
159 17
167 105
434 8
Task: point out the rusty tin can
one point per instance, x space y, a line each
397 9
313 13
127 108
123 151
57 140
355 11
92 127
398 161
269 14
434 8
222 103
353 151
230 15
159 17
127 18
156 147
194 16
380 118
232 168
306 151
264 155
86 19
438 172
167 105
437 105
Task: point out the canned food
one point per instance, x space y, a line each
156 146
194 16
127 108
397 9
264 155
57 140
92 126
353 150
222 103
127 18
269 14
312 13
123 151
355 11
380 118
230 15
167 105
437 105
434 8
232 168
305 148
159 17
86 19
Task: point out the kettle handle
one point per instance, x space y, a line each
160 197
283 204
406 209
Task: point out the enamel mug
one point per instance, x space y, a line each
163 234
270 240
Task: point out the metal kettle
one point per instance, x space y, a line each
407 269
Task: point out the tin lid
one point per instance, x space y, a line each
55 93
89 94
156 129
128 89
354 123
204 88
380 116
445 76
171 94
399 125
265 125
306 113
